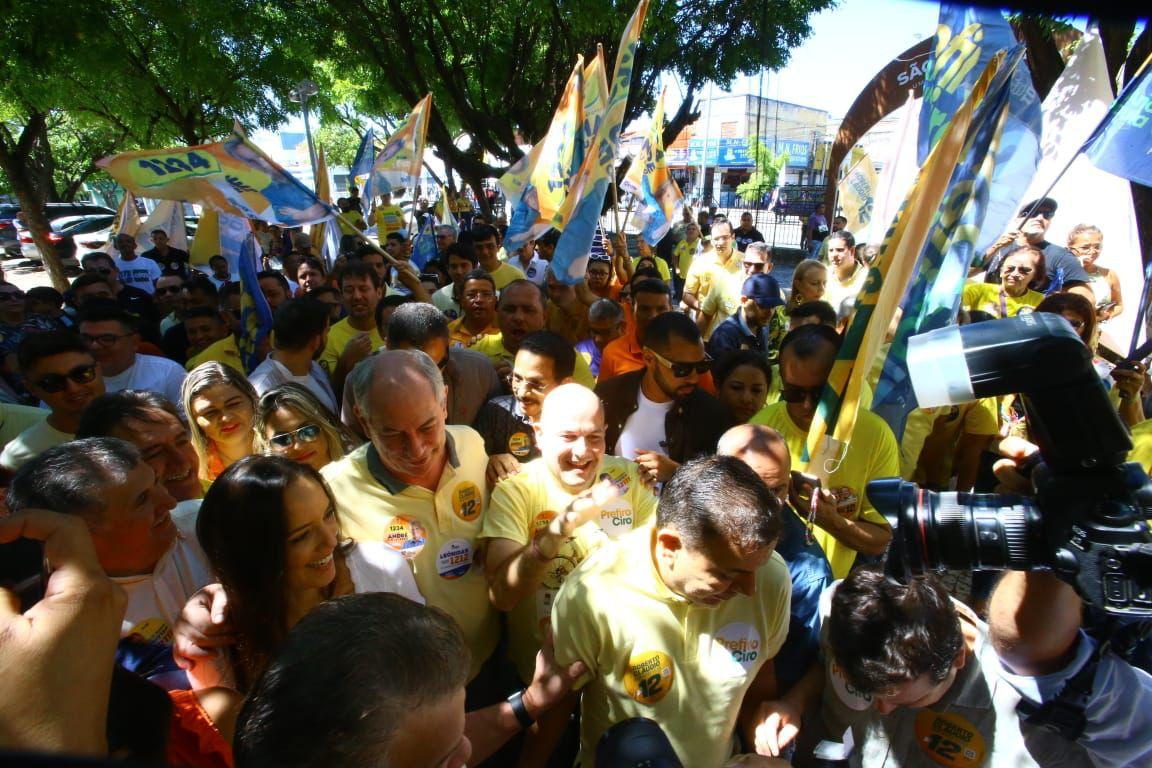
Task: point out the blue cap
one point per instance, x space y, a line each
764 290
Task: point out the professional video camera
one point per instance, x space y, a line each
1087 522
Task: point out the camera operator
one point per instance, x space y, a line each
922 681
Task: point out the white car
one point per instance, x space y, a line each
71 235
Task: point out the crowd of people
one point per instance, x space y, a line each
470 514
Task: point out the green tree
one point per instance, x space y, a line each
768 168
340 142
496 72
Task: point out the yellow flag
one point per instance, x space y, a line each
857 194
324 192
206 242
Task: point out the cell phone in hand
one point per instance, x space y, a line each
23 570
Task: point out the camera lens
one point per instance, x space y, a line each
958 531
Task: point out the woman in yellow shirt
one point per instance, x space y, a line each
1022 269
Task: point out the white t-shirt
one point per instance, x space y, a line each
444 302
644 430
272 373
139 273
156 374
156 599
535 271
31 443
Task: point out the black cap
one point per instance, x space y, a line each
1043 203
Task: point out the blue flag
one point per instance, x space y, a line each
362 166
1001 152
1122 143
239 246
966 40
424 247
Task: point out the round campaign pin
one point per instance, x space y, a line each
466 501
948 738
520 444
405 536
649 677
454 559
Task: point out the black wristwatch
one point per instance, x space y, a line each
516 701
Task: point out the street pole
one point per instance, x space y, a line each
303 90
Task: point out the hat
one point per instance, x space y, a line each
764 290
1041 203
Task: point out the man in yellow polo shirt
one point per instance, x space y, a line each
389 217
486 244
355 337
709 269
676 621
519 313
846 522
418 486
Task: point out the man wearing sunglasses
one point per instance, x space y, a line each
1063 270
806 358
723 300
58 369
658 415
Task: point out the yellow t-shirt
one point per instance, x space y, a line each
524 504
835 292
985 297
661 267
506 273
978 417
224 351
493 347
682 256
722 300
338 337
651 653
389 218
1141 452
459 336
355 218
436 532
706 270
872 454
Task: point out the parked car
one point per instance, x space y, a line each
13 234
70 234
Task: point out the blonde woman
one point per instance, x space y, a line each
220 404
291 422
808 283
1086 241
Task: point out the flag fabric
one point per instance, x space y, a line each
443 210
233 176
967 38
595 97
580 214
206 243
648 178
887 279
857 194
1078 102
537 184
897 174
361 169
168 215
127 221
424 248
1122 143
325 235
398 164
238 245
1000 152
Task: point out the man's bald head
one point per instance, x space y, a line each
376 381
763 449
570 435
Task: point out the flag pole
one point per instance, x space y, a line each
387 256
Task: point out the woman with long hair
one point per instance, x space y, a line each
220 404
269 528
291 422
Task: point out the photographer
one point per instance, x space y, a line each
922 681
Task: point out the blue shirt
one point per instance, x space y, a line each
811 575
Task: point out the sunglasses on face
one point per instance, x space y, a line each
683 370
1013 268
172 289
305 434
1038 215
58 382
791 394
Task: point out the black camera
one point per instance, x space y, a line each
1088 520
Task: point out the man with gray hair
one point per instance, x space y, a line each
418 485
446 235
605 325
723 300
154 557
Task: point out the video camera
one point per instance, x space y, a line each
1087 522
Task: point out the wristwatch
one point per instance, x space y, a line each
516 701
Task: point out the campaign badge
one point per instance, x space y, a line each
649 677
520 444
948 738
466 501
405 536
454 559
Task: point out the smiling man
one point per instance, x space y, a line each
543 362
1063 271
676 620
113 336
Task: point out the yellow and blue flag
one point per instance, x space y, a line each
580 214
649 179
966 40
399 162
325 235
238 245
1122 143
233 176
999 157
361 169
856 194
888 277
537 184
